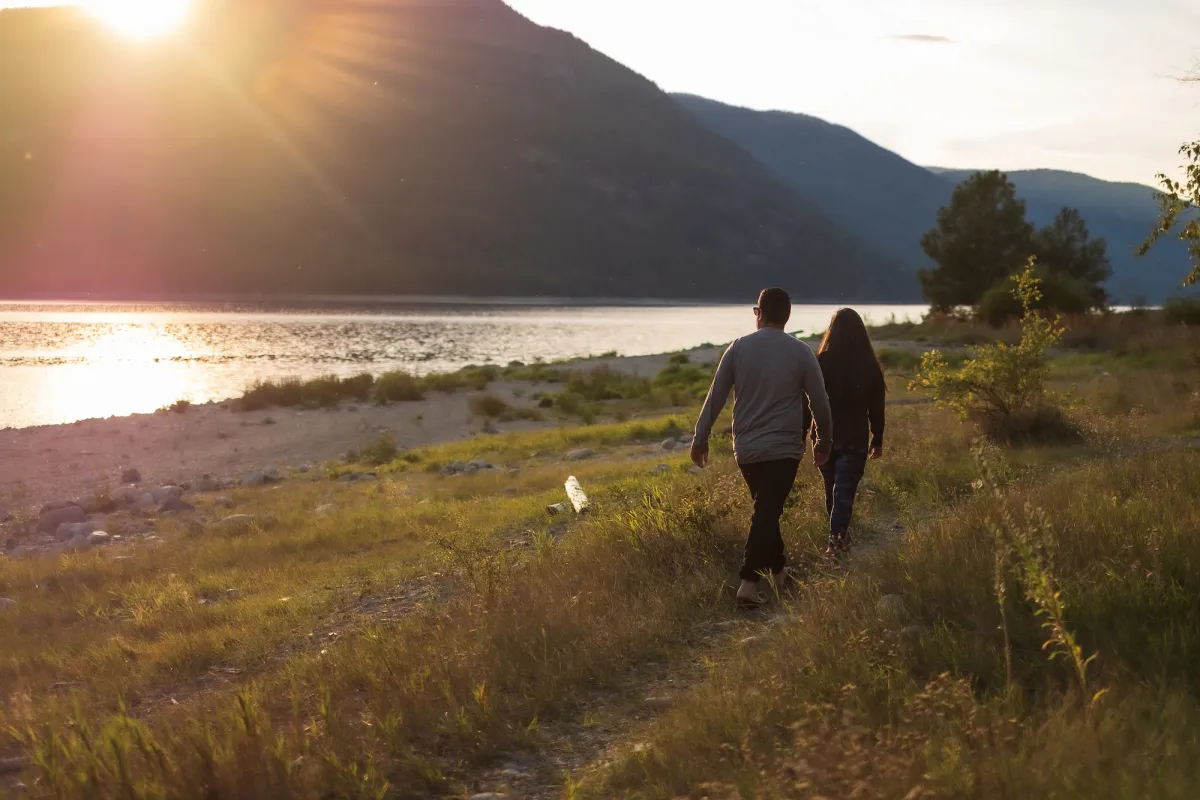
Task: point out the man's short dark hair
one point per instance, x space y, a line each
775 305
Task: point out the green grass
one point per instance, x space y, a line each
432 628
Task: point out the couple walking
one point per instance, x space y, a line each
780 389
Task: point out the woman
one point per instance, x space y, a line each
856 387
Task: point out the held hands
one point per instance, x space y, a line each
700 453
821 455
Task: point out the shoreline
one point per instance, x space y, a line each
49 463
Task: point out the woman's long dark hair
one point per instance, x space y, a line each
846 354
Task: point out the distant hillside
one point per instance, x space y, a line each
863 187
1123 213
408 147
891 202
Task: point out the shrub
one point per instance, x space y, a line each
487 405
398 387
475 378
1001 387
180 406
683 381
379 452
1182 310
1059 293
324 392
603 384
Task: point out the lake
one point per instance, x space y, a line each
63 362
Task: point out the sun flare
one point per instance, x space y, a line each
140 19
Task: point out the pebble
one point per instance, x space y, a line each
131 476
253 479
207 483
891 606
98 539
52 518
163 493
669 444
581 455
175 503
659 703
69 530
695 470
303 468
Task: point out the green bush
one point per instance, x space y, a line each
487 405
323 392
1182 310
1001 388
1059 293
379 452
599 385
398 387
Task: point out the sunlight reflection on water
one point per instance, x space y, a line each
65 362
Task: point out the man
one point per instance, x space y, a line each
771 374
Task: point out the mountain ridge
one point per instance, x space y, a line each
411 148
891 201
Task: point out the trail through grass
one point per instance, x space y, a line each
440 636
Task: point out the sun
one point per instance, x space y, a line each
140 19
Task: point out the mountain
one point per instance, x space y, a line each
1122 213
888 201
382 147
891 202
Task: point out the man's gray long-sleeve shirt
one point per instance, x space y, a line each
770 373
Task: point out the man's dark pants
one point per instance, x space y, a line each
770 484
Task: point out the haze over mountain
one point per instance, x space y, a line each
891 202
406 147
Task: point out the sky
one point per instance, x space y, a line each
1081 85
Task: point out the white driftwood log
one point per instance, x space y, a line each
575 492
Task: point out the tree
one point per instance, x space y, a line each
1179 201
981 238
1059 293
1065 247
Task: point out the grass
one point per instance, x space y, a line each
432 629
574 393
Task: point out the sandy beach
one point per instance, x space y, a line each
66 462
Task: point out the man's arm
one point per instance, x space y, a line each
818 400
718 395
